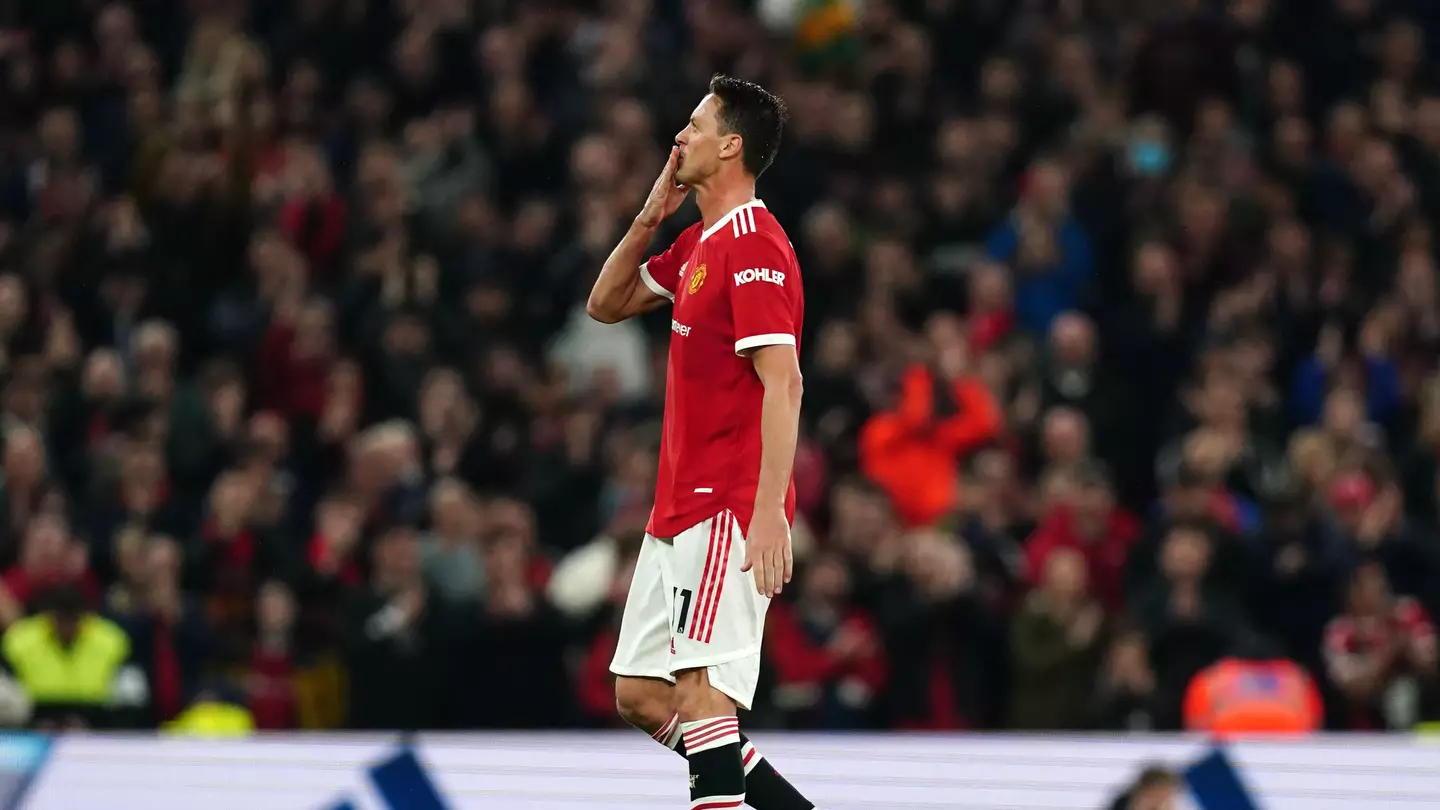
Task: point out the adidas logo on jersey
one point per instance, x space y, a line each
760 274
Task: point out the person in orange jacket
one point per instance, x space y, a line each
944 412
1253 692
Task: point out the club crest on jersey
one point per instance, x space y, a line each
697 278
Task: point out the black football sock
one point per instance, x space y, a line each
712 747
765 788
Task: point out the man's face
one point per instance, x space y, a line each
702 144
59 134
1072 341
1094 502
1189 501
67 627
1370 593
1185 556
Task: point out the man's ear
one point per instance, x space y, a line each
731 147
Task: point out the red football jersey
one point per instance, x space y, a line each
735 287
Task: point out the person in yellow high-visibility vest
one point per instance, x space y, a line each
212 716
73 664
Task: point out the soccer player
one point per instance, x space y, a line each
724 497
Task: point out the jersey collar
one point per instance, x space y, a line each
725 220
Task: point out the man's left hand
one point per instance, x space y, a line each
767 551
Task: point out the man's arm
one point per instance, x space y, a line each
623 290
766 313
778 367
619 293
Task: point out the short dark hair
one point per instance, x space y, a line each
1155 776
755 114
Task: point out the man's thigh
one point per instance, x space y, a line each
719 618
643 650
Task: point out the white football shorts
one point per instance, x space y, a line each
689 606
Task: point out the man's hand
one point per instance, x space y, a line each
618 293
1378 519
851 643
1085 626
665 197
767 551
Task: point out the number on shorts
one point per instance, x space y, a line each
682 595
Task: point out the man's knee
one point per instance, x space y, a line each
697 699
644 702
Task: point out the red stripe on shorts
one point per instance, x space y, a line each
720 585
697 610
717 575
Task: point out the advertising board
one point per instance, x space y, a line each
609 771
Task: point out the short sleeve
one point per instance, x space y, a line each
662 273
765 292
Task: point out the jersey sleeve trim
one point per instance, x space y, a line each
653 284
756 341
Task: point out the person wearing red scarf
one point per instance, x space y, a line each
1094 526
271 684
230 558
49 559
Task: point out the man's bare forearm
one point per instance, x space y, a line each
619 281
779 435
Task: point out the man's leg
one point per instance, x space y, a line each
711 733
649 705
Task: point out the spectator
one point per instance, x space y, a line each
296 354
1126 699
24 485
1189 623
1094 526
49 559
138 493
450 556
512 624
272 690
1049 250
994 516
1071 378
1380 653
828 663
1298 576
171 637
231 556
1371 374
940 640
1369 521
943 414
391 640
1064 439
1056 642
100 694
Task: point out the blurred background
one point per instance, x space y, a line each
1122 405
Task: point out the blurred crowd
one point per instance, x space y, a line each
1121 355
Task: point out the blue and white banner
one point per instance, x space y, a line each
21 758
613 771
